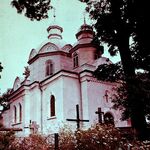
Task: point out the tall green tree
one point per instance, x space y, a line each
124 26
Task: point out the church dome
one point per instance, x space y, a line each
86 27
55 41
85 34
55 31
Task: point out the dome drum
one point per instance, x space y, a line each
55 32
55 27
85 32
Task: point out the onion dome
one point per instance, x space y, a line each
55 31
54 42
85 34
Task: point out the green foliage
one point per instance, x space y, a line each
33 9
98 137
67 139
33 142
6 140
127 94
4 99
109 72
121 25
116 20
132 98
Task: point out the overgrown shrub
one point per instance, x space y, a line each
67 139
6 140
33 142
98 137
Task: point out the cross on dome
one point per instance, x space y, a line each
54 29
84 17
54 15
85 32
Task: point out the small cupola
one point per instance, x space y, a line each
85 34
55 31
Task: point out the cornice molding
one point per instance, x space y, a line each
48 54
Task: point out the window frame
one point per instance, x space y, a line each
52 106
20 112
49 68
15 114
75 60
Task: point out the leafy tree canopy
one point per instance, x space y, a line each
115 19
33 9
124 26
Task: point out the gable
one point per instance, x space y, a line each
17 83
67 47
32 54
49 47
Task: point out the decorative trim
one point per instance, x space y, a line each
51 35
10 129
58 73
53 27
21 89
48 54
14 124
51 118
83 46
84 31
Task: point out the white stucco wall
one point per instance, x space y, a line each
53 86
38 67
86 55
94 97
71 97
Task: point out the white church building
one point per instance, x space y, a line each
59 78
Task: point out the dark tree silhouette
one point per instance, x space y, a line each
1 68
33 9
124 26
4 101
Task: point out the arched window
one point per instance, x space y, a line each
49 68
108 118
20 113
75 60
15 114
52 106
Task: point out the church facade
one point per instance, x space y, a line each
59 78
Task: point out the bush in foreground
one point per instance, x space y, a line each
98 137
6 140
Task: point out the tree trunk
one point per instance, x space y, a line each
137 113
125 55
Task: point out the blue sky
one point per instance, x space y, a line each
18 35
